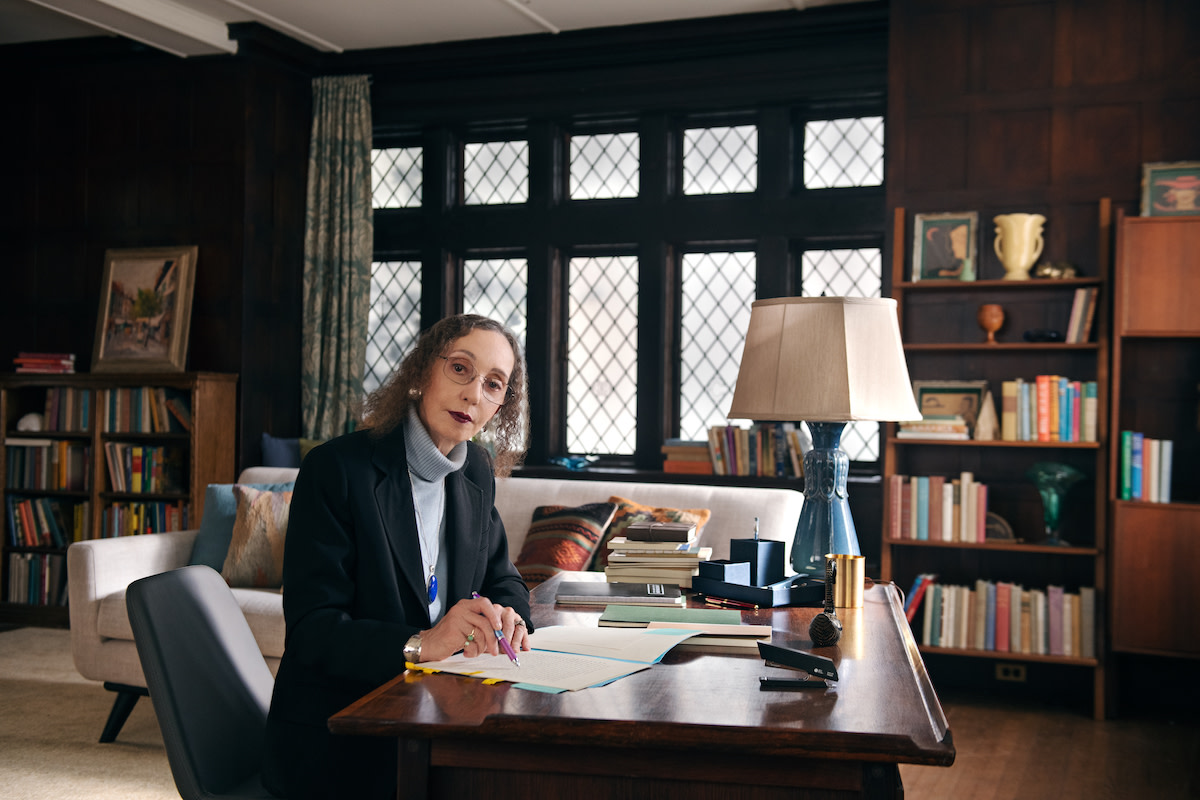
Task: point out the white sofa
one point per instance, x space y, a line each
99 570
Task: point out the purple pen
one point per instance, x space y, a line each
504 645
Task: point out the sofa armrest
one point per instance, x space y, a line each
99 567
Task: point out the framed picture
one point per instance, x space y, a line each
947 398
944 246
1171 189
145 310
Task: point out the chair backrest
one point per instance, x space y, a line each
208 681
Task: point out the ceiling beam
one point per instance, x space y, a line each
161 24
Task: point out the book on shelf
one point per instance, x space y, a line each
763 449
594 593
1001 616
920 586
950 426
683 456
1083 312
45 363
1050 408
936 508
1145 467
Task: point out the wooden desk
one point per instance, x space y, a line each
694 726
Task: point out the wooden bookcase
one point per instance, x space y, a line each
83 491
1155 547
943 341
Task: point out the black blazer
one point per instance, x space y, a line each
354 592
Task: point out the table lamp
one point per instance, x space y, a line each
825 361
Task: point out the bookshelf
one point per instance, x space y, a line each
944 341
1156 366
59 481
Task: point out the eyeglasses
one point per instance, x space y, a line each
463 372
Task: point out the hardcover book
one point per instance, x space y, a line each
593 593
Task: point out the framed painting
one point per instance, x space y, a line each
1171 189
944 246
950 398
145 310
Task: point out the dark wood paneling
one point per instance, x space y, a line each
1108 40
937 153
1018 47
1009 149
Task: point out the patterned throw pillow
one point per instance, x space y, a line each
562 539
255 557
216 526
628 511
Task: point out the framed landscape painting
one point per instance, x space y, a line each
944 246
1171 189
145 310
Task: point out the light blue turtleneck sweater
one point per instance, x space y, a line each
428 469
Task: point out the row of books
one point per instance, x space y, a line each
45 363
1005 617
145 409
37 579
1049 408
141 468
655 552
43 464
131 519
46 522
765 449
67 409
937 508
1146 467
1083 312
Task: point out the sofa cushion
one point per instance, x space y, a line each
561 539
216 528
628 512
255 556
280 452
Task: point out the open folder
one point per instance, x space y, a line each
569 658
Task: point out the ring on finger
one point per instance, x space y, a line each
471 636
520 623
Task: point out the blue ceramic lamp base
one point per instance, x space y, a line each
825 523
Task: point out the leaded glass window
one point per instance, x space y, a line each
604 165
495 173
394 320
396 174
718 289
720 160
497 288
840 153
602 355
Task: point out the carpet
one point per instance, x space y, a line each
50 723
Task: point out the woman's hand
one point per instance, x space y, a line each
470 626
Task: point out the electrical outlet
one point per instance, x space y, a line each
1010 672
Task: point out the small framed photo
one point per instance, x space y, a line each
940 399
1171 189
145 310
944 246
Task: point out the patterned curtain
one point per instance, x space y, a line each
338 241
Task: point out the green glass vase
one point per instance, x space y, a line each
1052 481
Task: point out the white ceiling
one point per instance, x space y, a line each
197 27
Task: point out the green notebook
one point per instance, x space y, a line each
615 616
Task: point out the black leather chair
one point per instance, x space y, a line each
207 679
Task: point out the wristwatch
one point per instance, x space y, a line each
412 649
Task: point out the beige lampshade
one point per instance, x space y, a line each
824 359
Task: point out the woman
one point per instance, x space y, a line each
392 528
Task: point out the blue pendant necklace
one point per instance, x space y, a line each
427 547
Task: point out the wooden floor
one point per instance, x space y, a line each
1029 752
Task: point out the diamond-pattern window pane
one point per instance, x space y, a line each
496 288
396 177
720 160
394 320
604 165
496 173
842 273
602 355
847 273
718 289
843 152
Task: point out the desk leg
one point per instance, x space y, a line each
882 781
412 772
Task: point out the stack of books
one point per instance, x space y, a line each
656 552
934 426
45 363
682 456
1048 408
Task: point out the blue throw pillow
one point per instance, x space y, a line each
278 452
216 528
